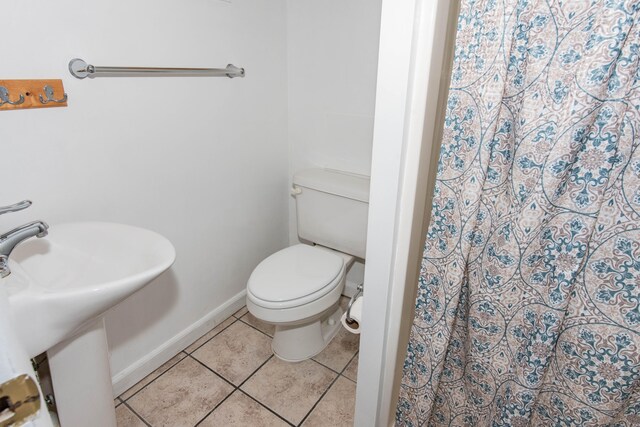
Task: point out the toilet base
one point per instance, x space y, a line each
298 342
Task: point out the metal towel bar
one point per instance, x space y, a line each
80 69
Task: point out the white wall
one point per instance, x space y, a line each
332 54
203 161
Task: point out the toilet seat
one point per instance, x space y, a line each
295 276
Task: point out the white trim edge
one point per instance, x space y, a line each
410 67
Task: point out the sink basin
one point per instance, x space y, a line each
76 273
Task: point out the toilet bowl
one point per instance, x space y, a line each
298 290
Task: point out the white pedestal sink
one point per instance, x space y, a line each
59 288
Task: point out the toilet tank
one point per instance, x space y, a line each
332 208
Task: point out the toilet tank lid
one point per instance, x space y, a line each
345 184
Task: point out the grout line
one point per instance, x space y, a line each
217 374
136 414
347 365
350 360
330 368
254 372
325 366
266 407
253 398
226 380
251 326
234 314
222 330
214 408
320 399
328 388
347 378
235 388
153 380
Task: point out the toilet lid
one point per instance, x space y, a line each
293 273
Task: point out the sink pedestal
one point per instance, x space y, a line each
81 378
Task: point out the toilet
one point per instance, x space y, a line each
298 288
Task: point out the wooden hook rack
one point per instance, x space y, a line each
23 94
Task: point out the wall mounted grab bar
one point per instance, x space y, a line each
80 69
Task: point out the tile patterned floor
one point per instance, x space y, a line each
229 377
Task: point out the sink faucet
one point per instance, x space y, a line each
10 239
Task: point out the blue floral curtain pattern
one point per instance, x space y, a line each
528 309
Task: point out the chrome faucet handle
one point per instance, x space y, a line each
16 207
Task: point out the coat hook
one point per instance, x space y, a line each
48 91
4 97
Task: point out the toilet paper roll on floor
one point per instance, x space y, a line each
356 317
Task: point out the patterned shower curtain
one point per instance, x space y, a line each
528 309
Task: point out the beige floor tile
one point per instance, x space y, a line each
238 314
212 333
336 407
241 411
289 389
352 370
339 351
258 324
126 418
236 352
182 396
117 402
152 376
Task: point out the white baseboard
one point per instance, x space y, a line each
129 376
